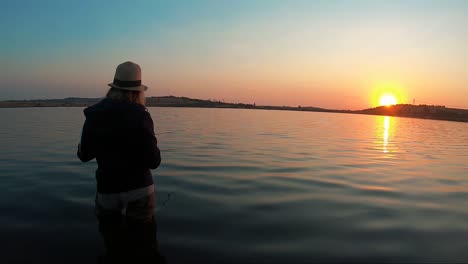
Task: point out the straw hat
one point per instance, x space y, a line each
128 77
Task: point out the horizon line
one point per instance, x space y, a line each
222 101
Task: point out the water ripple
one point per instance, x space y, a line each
250 186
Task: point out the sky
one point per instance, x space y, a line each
333 54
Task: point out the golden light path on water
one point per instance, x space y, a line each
385 133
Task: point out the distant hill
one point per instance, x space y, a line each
419 111
173 101
66 102
401 110
162 101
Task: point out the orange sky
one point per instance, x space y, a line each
332 54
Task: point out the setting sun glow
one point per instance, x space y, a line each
387 100
385 93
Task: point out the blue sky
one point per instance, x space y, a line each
323 53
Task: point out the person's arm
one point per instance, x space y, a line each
151 153
85 147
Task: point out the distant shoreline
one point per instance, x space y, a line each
401 110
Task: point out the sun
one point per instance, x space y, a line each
386 93
387 100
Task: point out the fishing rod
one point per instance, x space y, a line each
163 204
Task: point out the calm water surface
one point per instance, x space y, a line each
248 186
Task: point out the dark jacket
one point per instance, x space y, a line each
120 135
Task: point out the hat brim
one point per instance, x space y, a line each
140 88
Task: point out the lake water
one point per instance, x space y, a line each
248 186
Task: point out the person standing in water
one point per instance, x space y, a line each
119 133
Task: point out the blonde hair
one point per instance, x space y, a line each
126 95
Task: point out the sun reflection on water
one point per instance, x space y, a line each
385 133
